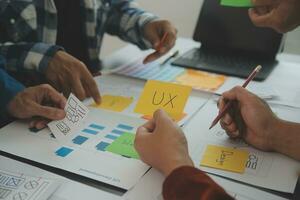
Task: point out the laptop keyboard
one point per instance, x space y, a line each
229 64
223 60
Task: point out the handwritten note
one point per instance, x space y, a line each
161 95
114 103
201 80
124 145
225 158
237 3
75 113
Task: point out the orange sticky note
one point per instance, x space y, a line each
161 95
225 158
114 103
201 80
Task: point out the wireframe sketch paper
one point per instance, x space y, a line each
76 112
19 186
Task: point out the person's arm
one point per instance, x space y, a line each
190 183
127 21
28 56
9 88
162 144
281 15
286 139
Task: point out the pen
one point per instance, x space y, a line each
160 45
173 55
229 103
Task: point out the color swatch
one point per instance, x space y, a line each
124 145
237 3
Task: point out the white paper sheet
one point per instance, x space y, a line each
85 153
76 112
264 169
16 184
67 190
150 188
122 86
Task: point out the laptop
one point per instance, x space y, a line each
230 43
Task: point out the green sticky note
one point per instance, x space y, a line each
124 145
237 3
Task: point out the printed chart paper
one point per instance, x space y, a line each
76 112
84 151
198 80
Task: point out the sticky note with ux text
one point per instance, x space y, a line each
114 103
161 95
124 145
225 158
237 3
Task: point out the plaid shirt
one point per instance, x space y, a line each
28 29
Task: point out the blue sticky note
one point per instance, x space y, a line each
63 151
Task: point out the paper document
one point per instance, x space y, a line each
263 169
94 151
150 188
76 112
18 186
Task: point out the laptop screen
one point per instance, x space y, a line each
229 28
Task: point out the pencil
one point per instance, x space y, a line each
160 45
229 103
162 41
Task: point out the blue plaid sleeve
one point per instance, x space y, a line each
127 21
28 56
9 87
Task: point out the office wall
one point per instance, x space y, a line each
184 14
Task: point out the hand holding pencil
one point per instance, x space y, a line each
229 103
162 36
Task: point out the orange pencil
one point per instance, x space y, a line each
160 45
229 103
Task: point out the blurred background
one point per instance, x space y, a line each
184 14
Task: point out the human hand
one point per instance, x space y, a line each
281 15
39 101
67 74
154 32
250 118
161 144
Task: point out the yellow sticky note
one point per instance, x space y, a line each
201 80
225 158
161 95
114 103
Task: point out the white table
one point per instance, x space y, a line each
283 78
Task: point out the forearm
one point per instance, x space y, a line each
189 183
9 87
127 21
286 139
28 56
